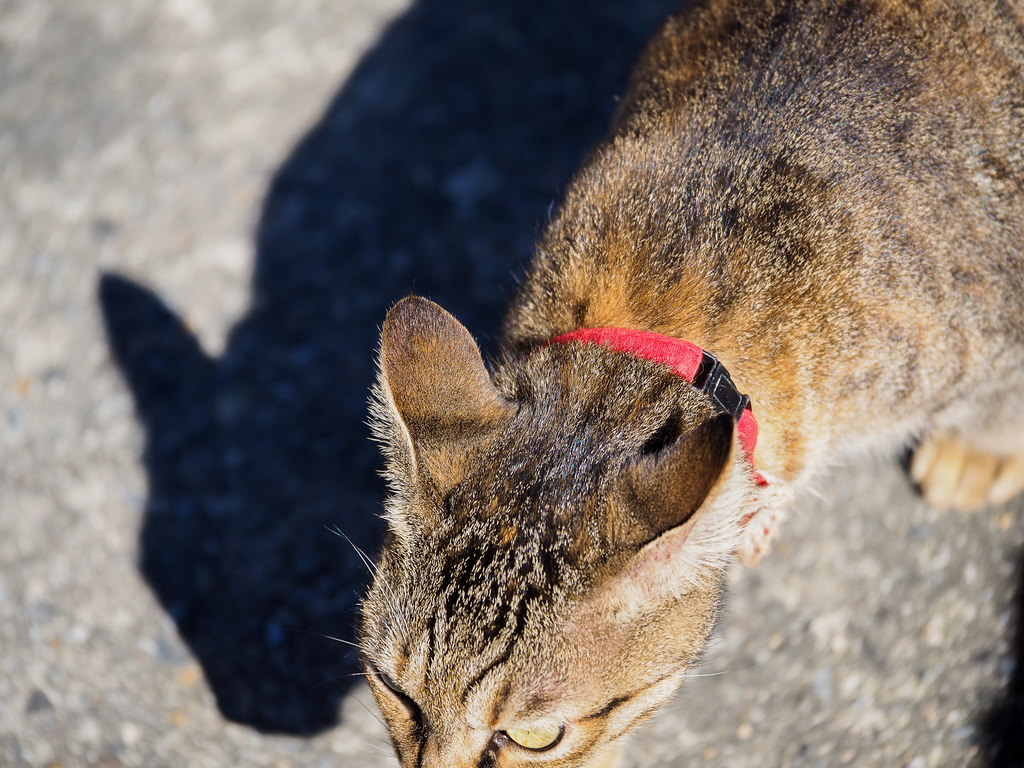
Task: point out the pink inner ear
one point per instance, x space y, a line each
649 575
648 579
607 623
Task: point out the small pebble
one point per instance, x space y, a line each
130 734
37 702
189 675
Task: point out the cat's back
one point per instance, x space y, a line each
838 80
769 152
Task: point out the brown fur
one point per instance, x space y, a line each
827 196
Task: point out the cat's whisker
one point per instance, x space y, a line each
341 640
390 596
370 566
377 744
334 679
323 636
380 746
721 672
370 712
392 601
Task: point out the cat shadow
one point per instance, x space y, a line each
431 170
1002 726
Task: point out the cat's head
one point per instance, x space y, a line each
556 541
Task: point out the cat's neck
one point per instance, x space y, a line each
694 365
775 370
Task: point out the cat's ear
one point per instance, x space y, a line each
665 486
678 509
435 394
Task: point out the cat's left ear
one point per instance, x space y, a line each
436 392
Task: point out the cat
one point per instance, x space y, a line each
802 240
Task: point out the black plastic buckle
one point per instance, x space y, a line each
713 379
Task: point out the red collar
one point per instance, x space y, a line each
687 360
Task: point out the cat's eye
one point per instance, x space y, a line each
538 737
389 683
398 693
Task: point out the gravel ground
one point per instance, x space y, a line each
205 211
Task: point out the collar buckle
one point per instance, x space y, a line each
713 379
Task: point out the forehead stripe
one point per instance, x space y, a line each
618 701
611 706
506 653
636 720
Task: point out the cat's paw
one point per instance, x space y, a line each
951 473
756 540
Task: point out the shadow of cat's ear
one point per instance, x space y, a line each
161 359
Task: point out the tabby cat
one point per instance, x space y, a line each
822 202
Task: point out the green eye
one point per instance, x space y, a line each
538 737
